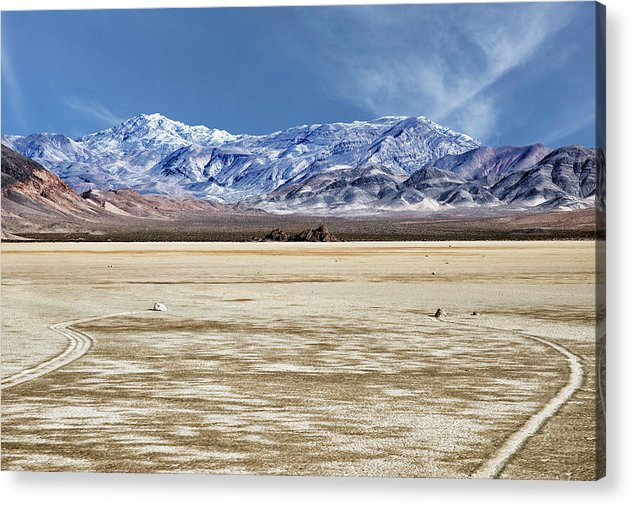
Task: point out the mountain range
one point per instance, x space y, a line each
387 165
36 201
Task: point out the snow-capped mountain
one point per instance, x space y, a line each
563 179
154 154
51 148
117 157
387 164
252 165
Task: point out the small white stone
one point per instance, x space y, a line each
158 306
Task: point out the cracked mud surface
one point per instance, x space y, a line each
300 359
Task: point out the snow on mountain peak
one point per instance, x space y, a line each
155 154
157 127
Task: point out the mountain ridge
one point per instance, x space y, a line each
389 164
37 205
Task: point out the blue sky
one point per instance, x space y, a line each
505 73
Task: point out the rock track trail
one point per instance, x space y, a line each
493 467
78 345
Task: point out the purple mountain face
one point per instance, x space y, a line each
492 163
391 164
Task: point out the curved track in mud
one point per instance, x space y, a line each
493 467
78 345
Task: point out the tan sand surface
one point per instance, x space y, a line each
300 358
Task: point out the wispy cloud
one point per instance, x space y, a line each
13 90
442 66
94 109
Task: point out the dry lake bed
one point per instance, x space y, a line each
319 359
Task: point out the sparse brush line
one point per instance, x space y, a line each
495 465
78 345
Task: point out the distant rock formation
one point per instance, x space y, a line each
320 234
277 235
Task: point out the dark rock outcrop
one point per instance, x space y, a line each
320 234
277 235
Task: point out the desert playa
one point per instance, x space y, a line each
321 359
